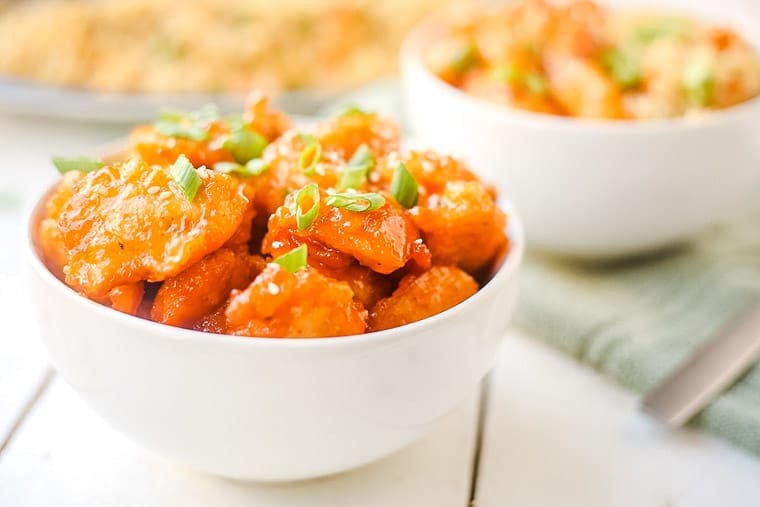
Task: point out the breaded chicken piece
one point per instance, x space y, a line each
420 296
368 286
344 134
431 171
127 298
383 240
131 222
462 226
306 304
156 148
263 119
203 287
54 251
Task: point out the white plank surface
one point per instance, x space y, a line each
556 434
65 455
25 168
22 361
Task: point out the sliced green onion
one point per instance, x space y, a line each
361 163
172 115
699 82
507 74
465 58
360 203
235 121
256 166
664 27
186 177
83 164
404 187
311 154
295 260
253 167
305 218
175 129
188 125
536 83
244 144
623 67
350 110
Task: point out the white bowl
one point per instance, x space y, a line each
593 189
271 409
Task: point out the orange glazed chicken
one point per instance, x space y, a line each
245 225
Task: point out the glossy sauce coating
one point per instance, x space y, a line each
221 259
130 222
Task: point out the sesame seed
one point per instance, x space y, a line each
153 190
165 195
273 288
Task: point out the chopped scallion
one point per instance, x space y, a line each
83 164
361 163
307 196
536 83
359 203
311 154
465 58
404 187
186 177
699 82
244 144
350 110
295 260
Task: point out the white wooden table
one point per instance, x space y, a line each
545 432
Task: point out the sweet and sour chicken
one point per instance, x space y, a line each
577 58
244 225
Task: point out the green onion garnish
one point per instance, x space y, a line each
699 82
193 125
361 163
507 74
350 110
256 166
253 167
83 164
311 154
536 83
404 187
664 27
360 203
295 260
192 132
186 177
623 67
305 218
465 58
244 144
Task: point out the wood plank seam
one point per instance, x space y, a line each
485 389
26 409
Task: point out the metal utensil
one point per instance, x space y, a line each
712 368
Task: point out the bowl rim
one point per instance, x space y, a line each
423 33
506 271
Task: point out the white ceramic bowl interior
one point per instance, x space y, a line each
596 189
271 409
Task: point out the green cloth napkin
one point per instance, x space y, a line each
637 321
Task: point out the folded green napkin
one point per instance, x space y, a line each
637 321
